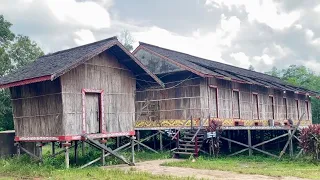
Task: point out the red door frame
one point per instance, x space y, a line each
101 109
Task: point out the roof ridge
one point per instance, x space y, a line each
66 50
143 43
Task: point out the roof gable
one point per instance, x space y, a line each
51 66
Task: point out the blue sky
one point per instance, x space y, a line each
262 33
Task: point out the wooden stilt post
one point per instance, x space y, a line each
290 144
83 147
103 152
161 144
118 142
154 142
229 143
18 149
53 148
249 142
262 139
67 158
138 138
39 146
76 152
132 148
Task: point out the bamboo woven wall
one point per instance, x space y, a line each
221 99
37 109
103 72
247 105
178 101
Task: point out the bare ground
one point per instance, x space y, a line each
154 167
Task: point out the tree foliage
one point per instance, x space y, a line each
302 77
15 52
127 40
251 68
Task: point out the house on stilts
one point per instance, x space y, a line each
201 93
79 94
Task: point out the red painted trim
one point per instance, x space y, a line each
73 137
101 109
26 81
136 50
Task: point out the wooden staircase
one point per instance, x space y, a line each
189 142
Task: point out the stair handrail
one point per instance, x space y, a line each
180 128
198 130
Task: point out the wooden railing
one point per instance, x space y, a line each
180 128
198 130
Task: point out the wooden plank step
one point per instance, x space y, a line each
190 138
185 149
188 145
185 153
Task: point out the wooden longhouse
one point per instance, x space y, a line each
199 91
87 90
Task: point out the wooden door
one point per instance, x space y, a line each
92 113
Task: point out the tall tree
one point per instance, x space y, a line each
251 68
15 52
303 77
127 40
23 51
5 33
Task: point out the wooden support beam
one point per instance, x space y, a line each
145 146
249 142
238 152
108 154
29 153
236 142
60 152
290 144
290 137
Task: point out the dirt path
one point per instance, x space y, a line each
154 167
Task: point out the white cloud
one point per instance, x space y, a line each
309 33
265 58
263 11
312 64
84 36
209 45
87 13
241 58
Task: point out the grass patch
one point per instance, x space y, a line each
53 168
256 165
